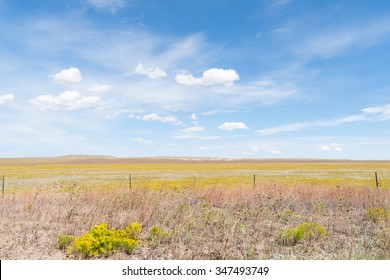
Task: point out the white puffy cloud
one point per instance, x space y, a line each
230 126
220 76
152 72
71 75
332 147
188 79
6 98
213 76
68 100
154 117
99 88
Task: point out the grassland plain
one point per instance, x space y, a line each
205 208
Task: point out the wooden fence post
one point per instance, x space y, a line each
2 188
130 181
376 180
254 180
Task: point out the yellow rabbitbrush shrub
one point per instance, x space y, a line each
102 241
305 231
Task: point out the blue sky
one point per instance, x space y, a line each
222 78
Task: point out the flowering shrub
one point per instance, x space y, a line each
102 241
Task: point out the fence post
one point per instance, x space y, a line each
254 180
2 188
376 180
130 181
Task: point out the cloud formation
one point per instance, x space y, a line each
330 44
380 113
192 129
153 72
304 125
6 98
194 133
334 147
154 117
262 147
69 100
99 88
230 126
71 75
213 76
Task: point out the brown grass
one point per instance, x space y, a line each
203 222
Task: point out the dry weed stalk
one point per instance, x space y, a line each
239 222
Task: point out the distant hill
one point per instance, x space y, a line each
101 159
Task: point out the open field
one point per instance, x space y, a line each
205 208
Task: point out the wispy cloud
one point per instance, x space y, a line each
265 91
192 129
262 147
334 147
194 133
143 141
279 3
284 128
99 88
329 44
215 112
6 98
367 114
183 51
112 5
196 137
155 117
230 126
378 113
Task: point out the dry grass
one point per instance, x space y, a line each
209 219
239 222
